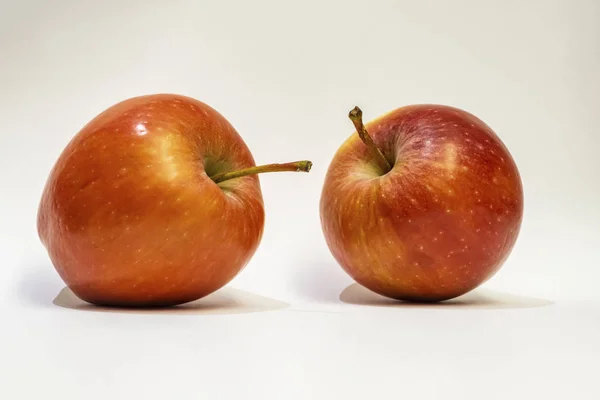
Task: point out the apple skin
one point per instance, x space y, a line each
436 226
129 215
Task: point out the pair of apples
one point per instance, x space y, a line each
156 202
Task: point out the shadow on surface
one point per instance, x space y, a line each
319 281
480 298
222 302
38 286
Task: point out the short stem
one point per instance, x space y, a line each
297 166
356 116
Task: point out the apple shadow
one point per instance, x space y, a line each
38 286
222 302
319 281
480 298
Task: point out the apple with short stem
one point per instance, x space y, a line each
155 202
423 204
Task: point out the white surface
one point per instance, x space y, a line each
343 352
286 74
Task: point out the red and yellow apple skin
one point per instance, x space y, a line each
130 216
436 226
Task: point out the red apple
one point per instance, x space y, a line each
153 203
423 204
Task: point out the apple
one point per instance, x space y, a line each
155 202
423 204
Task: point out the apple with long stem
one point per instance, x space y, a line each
155 202
423 204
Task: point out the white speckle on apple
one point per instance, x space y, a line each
141 129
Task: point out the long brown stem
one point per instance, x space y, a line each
356 116
297 166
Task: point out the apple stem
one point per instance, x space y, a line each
296 166
356 116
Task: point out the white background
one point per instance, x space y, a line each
285 74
